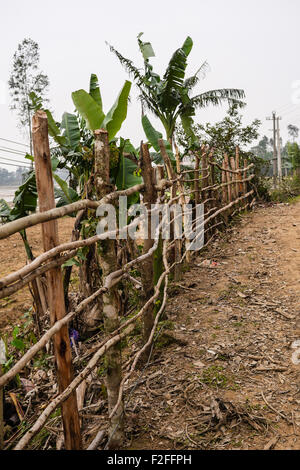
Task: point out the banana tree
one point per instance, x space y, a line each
169 97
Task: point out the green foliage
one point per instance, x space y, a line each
26 78
215 377
293 151
286 189
89 106
169 97
224 136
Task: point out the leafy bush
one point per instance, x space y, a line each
288 188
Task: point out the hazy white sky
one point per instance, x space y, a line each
249 44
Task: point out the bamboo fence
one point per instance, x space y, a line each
221 200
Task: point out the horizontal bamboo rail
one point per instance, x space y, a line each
209 193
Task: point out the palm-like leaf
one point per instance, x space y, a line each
129 66
217 97
168 98
192 81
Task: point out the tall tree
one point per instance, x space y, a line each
26 78
293 131
169 97
223 136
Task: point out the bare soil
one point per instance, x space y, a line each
233 385
223 376
13 257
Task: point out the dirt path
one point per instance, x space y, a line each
233 385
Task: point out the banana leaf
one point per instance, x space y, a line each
88 108
71 130
117 114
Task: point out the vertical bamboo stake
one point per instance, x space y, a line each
237 165
178 249
212 167
245 176
224 180
158 265
234 178
108 262
197 176
204 193
148 174
225 196
171 176
228 178
62 347
2 361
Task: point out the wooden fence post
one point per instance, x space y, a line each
111 305
234 178
149 197
204 192
228 178
224 190
237 164
196 177
172 176
2 361
62 346
245 176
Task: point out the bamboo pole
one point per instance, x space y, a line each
111 302
237 164
2 361
147 273
62 347
205 184
234 178
172 176
226 162
197 176
224 183
245 177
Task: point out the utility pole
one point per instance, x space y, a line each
273 118
279 150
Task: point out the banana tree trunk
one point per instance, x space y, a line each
108 261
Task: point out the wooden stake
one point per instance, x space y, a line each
111 303
237 165
197 175
149 197
204 193
171 175
244 177
2 361
228 178
62 346
234 178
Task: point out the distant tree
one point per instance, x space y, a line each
26 78
293 131
262 149
225 135
293 151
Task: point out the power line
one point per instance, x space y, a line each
12 160
9 150
13 164
14 142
